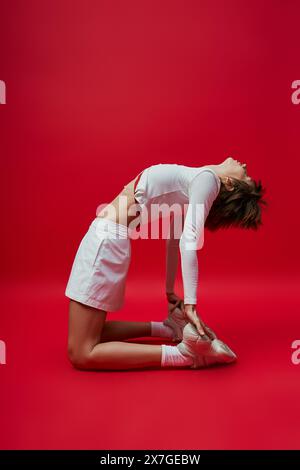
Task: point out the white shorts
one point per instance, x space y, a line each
99 271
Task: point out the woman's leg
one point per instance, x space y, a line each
121 330
85 350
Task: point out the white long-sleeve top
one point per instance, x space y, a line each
190 191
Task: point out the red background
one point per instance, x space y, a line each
97 91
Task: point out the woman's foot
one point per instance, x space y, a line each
202 350
176 321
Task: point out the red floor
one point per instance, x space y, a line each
45 404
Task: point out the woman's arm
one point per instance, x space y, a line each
172 245
202 193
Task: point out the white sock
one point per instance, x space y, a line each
172 357
161 330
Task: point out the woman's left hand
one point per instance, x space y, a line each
173 299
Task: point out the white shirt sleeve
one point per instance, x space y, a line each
203 190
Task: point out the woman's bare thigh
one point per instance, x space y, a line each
85 328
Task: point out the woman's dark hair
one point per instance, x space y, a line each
240 207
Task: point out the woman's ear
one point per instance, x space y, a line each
228 183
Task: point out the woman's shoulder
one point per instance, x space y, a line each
206 179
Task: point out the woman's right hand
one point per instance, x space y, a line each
192 316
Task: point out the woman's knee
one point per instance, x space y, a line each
85 328
80 359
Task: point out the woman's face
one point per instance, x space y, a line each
235 169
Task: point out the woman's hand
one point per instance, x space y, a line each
173 298
192 316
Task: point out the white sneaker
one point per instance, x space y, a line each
177 322
204 351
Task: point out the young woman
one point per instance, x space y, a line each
215 196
